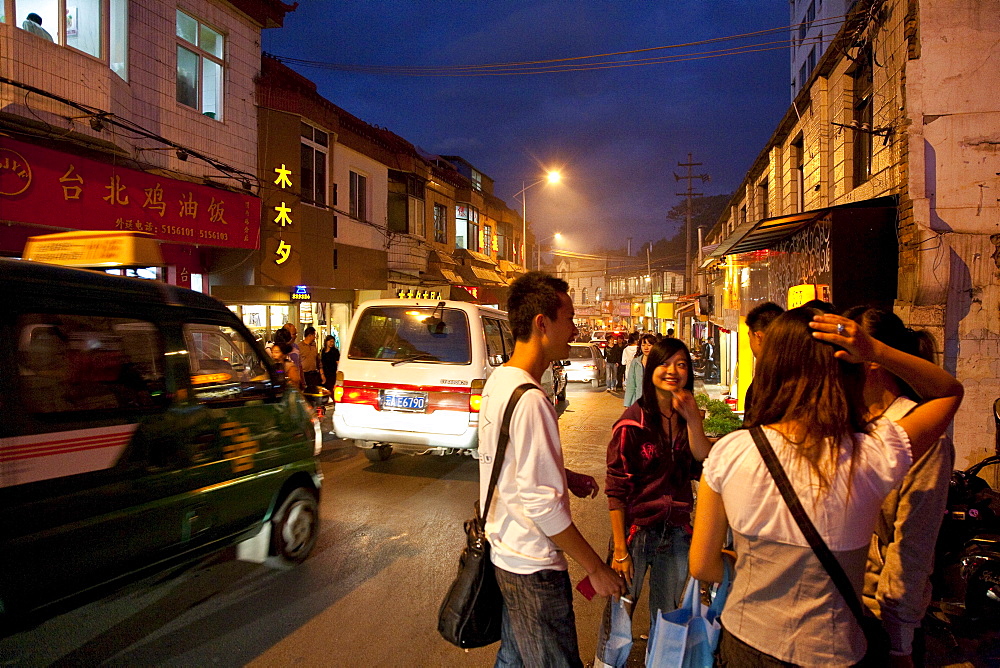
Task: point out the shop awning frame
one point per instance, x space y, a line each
765 233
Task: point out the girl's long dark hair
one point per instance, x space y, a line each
887 327
799 380
660 353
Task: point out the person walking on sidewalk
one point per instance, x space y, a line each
530 527
651 456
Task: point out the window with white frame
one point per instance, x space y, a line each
314 149
359 196
466 227
200 66
98 28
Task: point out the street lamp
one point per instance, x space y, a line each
538 249
551 177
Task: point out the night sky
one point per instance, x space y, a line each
617 134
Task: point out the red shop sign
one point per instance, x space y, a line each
61 190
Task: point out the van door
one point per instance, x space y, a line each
495 353
244 429
82 470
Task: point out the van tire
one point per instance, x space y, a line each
562 395
379 453
295 527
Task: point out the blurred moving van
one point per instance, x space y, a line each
412 373
142 423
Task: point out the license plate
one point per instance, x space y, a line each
399 400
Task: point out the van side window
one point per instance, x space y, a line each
224 366
508 338
494 342
71 363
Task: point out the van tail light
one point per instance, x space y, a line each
476 396
338 388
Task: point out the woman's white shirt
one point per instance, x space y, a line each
754 506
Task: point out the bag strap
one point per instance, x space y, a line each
816 542
515 396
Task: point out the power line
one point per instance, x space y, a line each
575 63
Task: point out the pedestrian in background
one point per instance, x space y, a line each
628 354
784 606
613 360
897 587
309 356
651 456
633 375
530 526
329 360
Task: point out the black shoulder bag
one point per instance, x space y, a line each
816 542
471 613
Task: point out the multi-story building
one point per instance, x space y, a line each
814 25
643 295
585 275
133 116
875 187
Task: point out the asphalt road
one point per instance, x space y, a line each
368 595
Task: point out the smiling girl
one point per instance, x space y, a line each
651 462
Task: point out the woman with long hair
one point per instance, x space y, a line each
783 607
652 457
897 587
634 377
329 358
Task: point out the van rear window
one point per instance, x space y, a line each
417 333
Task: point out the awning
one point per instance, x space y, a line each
441 274
761 234
481 276
478 257
441 258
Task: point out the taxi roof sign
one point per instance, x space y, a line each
95 250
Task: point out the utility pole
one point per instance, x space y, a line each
652 308
690 194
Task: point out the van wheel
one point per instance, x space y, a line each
379 453
562 395
295 527
595 383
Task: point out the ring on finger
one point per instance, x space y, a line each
840 329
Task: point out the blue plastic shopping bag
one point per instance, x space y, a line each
688 636
619 643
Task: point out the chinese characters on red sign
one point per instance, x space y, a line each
65 191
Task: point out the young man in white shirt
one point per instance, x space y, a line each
530 525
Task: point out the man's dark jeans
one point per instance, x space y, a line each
539 628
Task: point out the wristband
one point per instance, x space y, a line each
623 559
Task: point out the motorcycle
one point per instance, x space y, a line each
966 578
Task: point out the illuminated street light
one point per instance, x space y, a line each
551 177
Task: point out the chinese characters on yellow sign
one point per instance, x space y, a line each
283 181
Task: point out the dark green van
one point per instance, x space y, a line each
141 423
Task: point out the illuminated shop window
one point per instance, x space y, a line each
200 66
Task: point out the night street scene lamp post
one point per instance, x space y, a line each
551 177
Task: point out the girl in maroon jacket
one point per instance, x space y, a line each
651 462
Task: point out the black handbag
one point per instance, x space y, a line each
816 542
471 613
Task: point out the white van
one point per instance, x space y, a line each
412 373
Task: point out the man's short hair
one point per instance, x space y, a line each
763 315
34 17
309 331
533 293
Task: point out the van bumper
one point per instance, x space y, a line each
466 440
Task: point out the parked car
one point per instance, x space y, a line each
142 424
586 364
